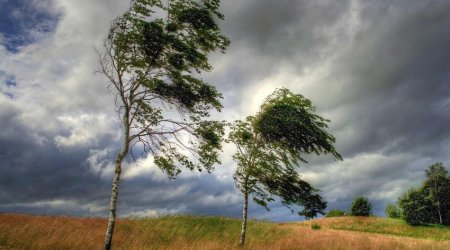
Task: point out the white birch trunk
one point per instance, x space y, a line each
115 184
244 220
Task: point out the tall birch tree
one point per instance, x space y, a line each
270 147
153 56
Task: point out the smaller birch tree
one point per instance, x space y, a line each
270 147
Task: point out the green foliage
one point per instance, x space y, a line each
288 120
153 64
417 210
436 170
295 191
335 213
393 211
315 226
361 206
430 203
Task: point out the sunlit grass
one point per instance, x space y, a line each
387 226
165 230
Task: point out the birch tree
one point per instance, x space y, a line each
153 56
270 147
437 189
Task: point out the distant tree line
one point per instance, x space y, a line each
427 204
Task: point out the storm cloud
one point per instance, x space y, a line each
379 70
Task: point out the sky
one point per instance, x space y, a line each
379 70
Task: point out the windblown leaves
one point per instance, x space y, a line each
289 120
155 53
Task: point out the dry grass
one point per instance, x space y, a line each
326 238
189 232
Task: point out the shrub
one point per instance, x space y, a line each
393 211
335 213
361 206
315 226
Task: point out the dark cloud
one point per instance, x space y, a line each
268 35
398 78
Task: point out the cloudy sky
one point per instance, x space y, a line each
379 70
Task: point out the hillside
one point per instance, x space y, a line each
19 231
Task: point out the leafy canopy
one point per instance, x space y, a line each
269 150
154 55
288 122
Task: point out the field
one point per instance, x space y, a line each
19 231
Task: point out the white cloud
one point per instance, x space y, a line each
221 200
375 175
100 163
145 168
84 130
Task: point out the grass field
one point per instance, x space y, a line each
396 227
191 232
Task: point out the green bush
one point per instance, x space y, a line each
315 226
393 211
335 213
417 209
361 206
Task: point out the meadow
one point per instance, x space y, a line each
18 231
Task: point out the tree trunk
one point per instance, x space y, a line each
244 220
439 212
115 184
437 201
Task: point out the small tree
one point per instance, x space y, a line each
152 64
393 211
361 206
269 148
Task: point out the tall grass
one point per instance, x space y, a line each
194 232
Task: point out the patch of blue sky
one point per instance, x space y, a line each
22 20
11 82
